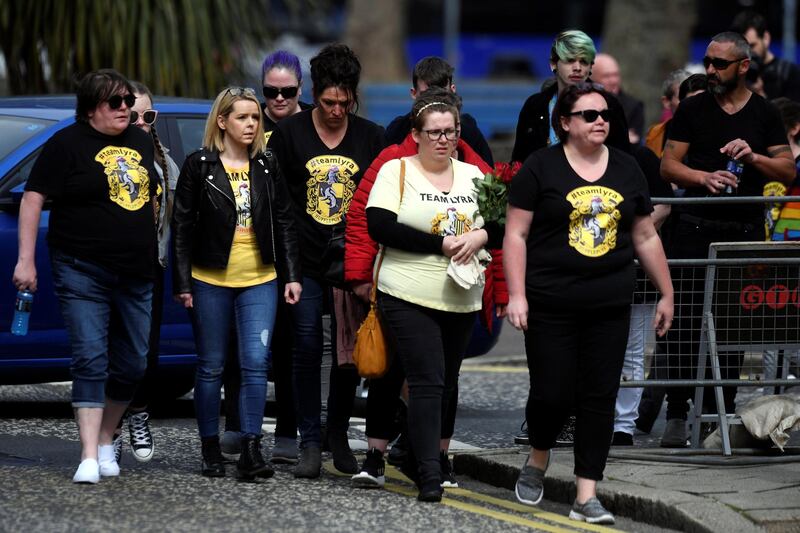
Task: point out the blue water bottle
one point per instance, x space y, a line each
736 168
22 313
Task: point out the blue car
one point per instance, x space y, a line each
43 355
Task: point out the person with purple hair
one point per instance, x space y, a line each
281 78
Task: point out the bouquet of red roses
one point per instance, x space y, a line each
492 191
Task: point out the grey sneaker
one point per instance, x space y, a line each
530 483
310 463
285 451
592 512
674 434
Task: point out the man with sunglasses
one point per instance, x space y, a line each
727 122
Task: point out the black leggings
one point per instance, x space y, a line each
575 359
430 345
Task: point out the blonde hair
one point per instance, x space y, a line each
223 105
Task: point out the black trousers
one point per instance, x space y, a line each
691 238
430 345
575 360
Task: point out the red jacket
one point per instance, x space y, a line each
360 250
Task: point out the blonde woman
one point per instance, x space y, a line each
234 236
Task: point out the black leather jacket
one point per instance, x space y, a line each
204 218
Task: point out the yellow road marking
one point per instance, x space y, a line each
496 369
406 490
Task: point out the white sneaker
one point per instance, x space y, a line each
108 465
88 472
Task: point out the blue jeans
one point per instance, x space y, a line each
252 309
107 317
306 364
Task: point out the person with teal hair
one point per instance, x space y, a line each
571 58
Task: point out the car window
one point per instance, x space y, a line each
191 131
14 131
19 174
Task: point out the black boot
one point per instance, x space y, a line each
343 459
251 463
212 457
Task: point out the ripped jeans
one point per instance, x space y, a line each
252 309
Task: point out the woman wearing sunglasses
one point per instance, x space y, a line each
100 177
144 117
570 278
234 237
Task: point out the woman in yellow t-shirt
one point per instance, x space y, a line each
429 316
234 236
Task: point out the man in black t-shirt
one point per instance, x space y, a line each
434 71
726 122
781 77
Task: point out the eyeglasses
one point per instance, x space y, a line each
148 116
590 115
240 91
273 92
115 102
451 134
720 64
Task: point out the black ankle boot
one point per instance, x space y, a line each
251 463
212 457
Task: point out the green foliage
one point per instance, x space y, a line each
176 47
492 198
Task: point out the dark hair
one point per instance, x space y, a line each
695 82
434 71
96 87
566 101
790 114
749 19
282 59
435 99
336 65
740 44
161 158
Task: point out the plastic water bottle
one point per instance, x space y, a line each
22 313
736 168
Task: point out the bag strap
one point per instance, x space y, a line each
373 293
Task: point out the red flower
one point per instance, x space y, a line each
505 171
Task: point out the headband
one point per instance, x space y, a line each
423 108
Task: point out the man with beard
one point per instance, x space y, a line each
781 77
727 122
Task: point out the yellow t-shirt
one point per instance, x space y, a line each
245 267
422 278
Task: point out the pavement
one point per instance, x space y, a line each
685 490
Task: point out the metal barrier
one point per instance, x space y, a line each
737 324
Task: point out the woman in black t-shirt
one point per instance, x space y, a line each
323 152
99 175
592 211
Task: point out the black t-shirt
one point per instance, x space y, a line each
101 191
322 180
269 124
579 248
702 123
781 78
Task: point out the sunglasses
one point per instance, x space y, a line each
148 116
115 102
273 92
240 91
590 115
720 64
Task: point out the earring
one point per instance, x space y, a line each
554 71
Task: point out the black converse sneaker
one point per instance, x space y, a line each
448 477
117 442
371 474
141 438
